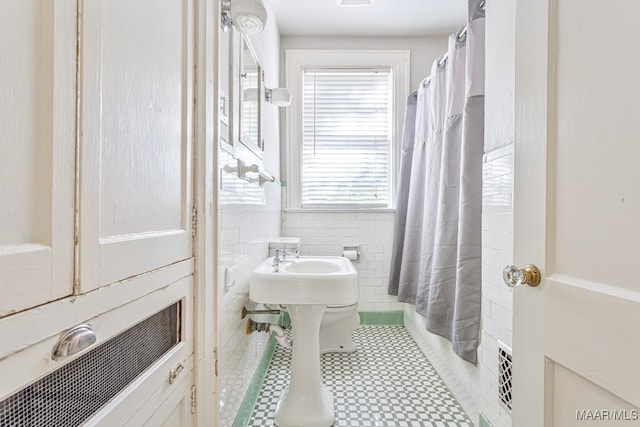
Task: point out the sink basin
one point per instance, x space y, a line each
319 280
313 267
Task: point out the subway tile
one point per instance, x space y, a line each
491 326
366 290
371 298
381 306
379 282
501 314
496 239
500 221
491 187
229 237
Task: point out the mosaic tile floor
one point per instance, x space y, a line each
387 382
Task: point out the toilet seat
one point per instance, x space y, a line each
342 306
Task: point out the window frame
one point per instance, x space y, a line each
297 60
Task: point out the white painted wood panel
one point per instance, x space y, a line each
594 405
37 151
148 395
108 310
137 66
176 409
576 339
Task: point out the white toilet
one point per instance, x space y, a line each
338 322
336 329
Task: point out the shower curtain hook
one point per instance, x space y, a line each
443 61
461 37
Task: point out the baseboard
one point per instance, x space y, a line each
382 318
484 422
251 396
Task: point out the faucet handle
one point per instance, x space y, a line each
286 253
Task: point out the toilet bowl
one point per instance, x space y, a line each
336 329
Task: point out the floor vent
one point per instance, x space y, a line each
505 369
72 394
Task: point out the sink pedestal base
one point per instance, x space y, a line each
306 402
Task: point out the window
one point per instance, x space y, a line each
346 137
344 127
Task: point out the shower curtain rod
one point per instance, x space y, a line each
462 35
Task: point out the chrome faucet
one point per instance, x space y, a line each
281 257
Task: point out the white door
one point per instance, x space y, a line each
37 152
136 113
576 337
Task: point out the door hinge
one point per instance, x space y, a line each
194 221
193 399
215 361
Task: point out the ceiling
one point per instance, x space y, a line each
385 18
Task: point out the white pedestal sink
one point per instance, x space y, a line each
306 287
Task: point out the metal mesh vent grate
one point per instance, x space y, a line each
505 365
70 395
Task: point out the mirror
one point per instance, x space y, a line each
251 99
225 85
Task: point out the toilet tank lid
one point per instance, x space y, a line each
278 242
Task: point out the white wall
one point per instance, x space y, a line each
500 64
423 49
497 219
248 214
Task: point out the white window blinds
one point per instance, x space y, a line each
346 132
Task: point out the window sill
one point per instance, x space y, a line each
340 210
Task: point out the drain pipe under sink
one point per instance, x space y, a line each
277 330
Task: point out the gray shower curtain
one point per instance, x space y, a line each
402 201
438 267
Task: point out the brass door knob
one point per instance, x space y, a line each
514 276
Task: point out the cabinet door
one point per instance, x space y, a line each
136 137
175 410
37 151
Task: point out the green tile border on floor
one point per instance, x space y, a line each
484 422
382 318
251 396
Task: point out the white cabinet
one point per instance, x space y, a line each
96 188
136 132
37 152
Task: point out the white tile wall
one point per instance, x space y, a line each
243 246
497 298
324 233
249 215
